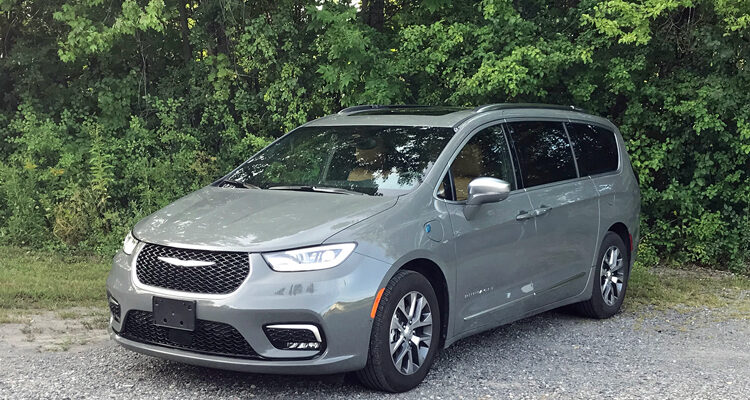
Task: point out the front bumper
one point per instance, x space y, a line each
338 300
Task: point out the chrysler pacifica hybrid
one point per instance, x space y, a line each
370 239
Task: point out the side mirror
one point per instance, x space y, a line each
485 190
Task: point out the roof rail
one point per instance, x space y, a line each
510 106
365 107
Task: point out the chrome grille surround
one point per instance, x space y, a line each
191 271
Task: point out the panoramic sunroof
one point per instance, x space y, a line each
410 111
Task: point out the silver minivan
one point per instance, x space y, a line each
370 239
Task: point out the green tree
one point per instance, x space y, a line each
110 110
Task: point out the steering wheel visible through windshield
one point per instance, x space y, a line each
374 160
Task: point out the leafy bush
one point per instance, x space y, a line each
110 110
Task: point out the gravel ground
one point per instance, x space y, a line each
638 355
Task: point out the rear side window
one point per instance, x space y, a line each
595 148
543 152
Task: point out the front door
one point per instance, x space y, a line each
492 282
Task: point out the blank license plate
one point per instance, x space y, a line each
177 314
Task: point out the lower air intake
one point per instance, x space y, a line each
295 337
209 337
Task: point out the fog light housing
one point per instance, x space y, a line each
114 307
295 337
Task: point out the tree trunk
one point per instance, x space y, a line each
187 52
373 13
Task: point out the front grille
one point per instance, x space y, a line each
209 337
226 274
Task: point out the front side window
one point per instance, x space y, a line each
595 148
375 160
486 154
543 152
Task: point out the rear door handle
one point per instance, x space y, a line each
524 215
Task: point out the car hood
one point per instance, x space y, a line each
256 220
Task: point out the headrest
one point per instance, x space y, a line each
468 162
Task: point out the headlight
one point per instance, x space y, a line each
310 258
128 245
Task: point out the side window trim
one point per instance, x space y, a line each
447 170
451 187
556 183
572 150
512 155
517 172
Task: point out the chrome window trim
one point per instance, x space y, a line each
309 327
573 150
605 174
176 293
557 183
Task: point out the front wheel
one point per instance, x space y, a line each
610 279
405 334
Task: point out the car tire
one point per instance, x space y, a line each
610 281
381 371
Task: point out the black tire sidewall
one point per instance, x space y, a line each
398 382
600 307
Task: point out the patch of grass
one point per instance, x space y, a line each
664 288
26 330
69 314
11 316
64 345
96 322
101 322
30 331
32 279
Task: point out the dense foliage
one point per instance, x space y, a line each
111 109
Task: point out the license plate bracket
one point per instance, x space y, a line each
176 314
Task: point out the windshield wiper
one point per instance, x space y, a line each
320 189
238 184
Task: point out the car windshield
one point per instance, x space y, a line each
374 160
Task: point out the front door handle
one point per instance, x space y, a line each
542 210
524 215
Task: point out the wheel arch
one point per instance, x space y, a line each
622 231
432 271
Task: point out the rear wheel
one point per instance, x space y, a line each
405 334
610 279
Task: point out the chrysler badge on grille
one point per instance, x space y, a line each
185 263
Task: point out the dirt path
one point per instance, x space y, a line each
67 330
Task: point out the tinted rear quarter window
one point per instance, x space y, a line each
595 148
543 152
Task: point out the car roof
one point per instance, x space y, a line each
449 117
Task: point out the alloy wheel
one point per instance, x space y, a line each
612 275
411 332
